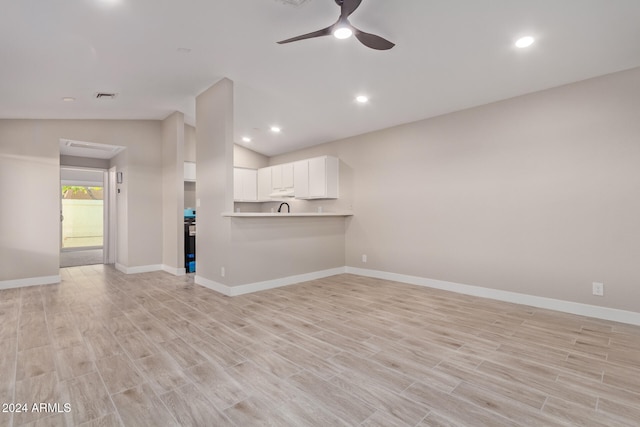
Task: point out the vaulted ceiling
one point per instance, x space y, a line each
158 55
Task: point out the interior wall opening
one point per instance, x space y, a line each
82 213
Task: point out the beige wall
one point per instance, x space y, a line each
245 158
189 143
214 177
173 192
29 201
537 195
30 155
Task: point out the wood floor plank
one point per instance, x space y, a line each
119 373
88 398
336 400
74 362
162 372
34 362
139 406
190 407
219 387
45 388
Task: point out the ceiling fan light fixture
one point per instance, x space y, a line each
342 32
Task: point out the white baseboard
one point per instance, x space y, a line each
138 269
267 284
214 286
30 281
598 312
173 270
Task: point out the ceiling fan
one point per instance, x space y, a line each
343 29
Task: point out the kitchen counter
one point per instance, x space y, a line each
284 214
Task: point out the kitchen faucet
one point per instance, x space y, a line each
288 207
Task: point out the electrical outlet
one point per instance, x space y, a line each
598 289
222 272
364 258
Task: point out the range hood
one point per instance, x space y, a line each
283 193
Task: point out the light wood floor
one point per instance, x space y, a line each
152 349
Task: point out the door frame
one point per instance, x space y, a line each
110 217
108 212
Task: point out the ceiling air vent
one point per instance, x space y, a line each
92 146
292 2
105 95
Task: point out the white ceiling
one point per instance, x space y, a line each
449 55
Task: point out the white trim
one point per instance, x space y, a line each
598 312
267 284
173 270
214 286
30 281
139 269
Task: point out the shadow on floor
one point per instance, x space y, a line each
78 258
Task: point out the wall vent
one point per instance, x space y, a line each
105 95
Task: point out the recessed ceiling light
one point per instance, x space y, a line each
246 139
525 42
68 99
184 50
275 129
343 32
362 99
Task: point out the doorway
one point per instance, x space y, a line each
82 214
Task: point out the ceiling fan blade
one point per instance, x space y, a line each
348 7
373 41
319 33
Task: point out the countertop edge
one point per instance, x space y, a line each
284 215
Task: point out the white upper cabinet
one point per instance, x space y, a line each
301 179
264 184
321 175
245 185
190 171
282 180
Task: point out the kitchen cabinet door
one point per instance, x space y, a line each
323 178
245 185
264 184
282 176
276 177
301 179
287 176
